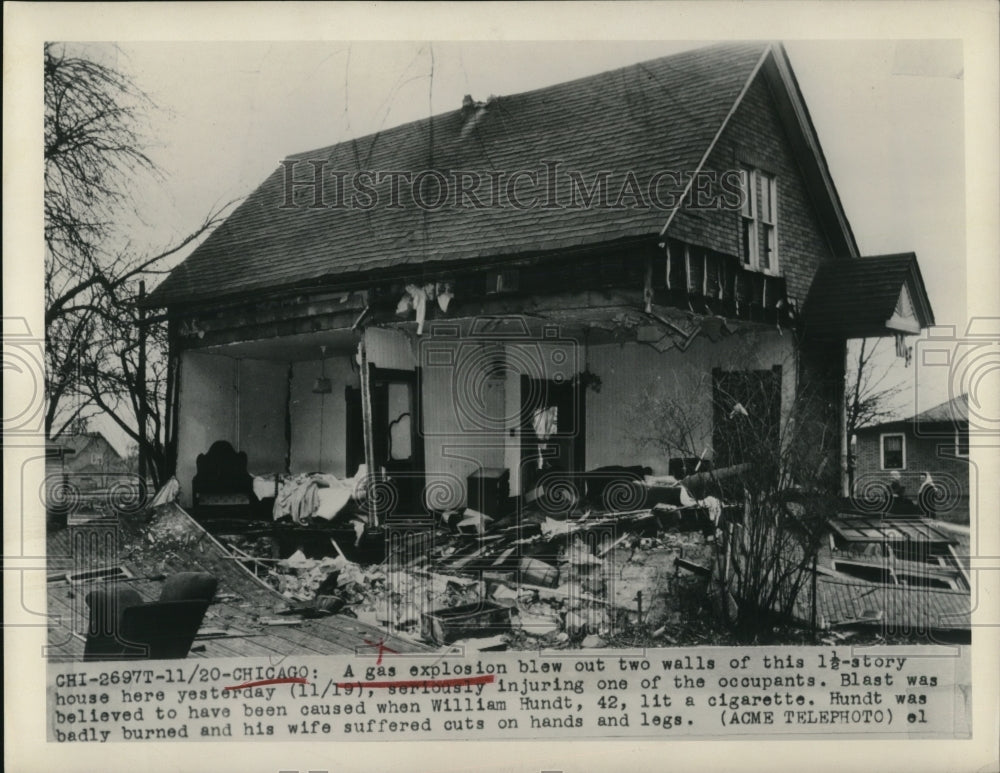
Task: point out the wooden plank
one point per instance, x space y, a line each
288 641
213 648
368 431
247 647
256 646
504 556
467 558
691 566
65 647
614 544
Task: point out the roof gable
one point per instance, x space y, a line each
90 442
868 298
904 315
804 144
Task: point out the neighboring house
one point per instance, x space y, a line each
934 441
91 463
343 315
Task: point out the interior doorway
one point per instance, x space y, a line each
397 442
552 431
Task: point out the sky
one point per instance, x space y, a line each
889 116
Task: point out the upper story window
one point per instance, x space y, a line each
759 220
893 452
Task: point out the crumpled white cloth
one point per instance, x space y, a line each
544 421
167 493
714 507
444 293
419 296
313 495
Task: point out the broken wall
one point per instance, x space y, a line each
471 396
635 379
262 389
390 349
240 401
319 421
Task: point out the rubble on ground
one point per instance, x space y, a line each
543 582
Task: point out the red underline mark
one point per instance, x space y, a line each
381 649
263 682
457 682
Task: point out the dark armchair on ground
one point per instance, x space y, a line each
123 627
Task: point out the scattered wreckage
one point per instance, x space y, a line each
574 576
563 570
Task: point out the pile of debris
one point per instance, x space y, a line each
496 584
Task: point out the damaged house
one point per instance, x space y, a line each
458 318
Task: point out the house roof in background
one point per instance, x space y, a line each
76 443
659 115
855 299
954 411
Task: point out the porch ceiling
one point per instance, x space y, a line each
292 348
598 324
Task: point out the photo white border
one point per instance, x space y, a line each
27 25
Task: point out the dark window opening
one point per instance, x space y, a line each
746 416
867 572
923 581
893 452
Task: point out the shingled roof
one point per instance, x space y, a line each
953 413
662 114
954 410
855 299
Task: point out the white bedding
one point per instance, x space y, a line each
263 486
309 495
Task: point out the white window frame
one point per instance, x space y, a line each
881 449
770 227
752 180
748 176
958 446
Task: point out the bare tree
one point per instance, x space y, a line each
870 392
123 387
870 388
95 154
786 480
774 463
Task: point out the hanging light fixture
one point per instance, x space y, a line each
322 385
